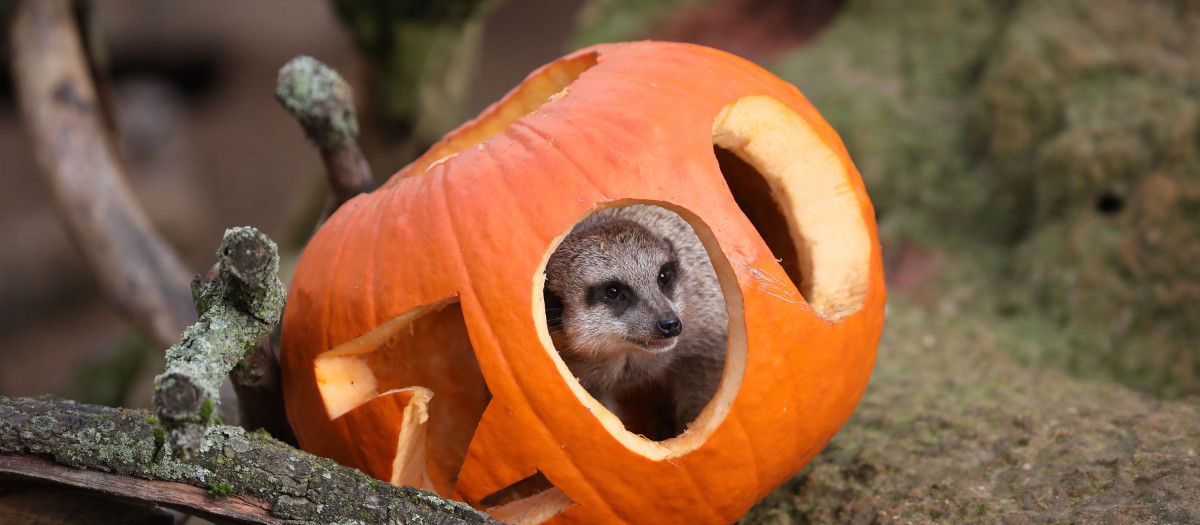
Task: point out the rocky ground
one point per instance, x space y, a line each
953 430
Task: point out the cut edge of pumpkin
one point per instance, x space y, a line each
714 413
534 509
409 467
545 86
344 378
814 190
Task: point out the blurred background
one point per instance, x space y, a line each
1035 168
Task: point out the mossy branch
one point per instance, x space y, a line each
323 102
260 480
238 308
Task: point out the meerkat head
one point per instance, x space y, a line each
611 287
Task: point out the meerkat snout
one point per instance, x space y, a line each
670 326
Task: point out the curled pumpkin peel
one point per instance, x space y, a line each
435 279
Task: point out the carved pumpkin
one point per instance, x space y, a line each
415 344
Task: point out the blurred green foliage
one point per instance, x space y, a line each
1055 146
624 20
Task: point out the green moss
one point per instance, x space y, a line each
152 420
206 409
160 437
221 490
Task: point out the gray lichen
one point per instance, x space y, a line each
320 99
238 308
297 485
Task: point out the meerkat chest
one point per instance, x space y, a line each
622 371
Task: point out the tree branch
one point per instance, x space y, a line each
323 102
239 307
138 270
259 479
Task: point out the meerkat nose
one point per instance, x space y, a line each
670 326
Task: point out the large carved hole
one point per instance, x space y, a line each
420 362
637 313
799 194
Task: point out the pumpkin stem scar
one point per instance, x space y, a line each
238 307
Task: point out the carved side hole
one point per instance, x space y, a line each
529 501
426 347
801 196
753 195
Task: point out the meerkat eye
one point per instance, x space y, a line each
666 275
612 292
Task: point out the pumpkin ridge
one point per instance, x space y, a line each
579 168
744 434
372 264
698 488
336 264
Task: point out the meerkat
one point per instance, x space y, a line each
632 301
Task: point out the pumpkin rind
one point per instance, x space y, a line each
476 221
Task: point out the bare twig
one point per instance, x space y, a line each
323 103
260 391
138 270
239 307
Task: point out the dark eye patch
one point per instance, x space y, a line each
615 294
667 276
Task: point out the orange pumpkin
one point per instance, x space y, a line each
415 344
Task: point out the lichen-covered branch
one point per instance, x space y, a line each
250 477
139 272
323 102
238 308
